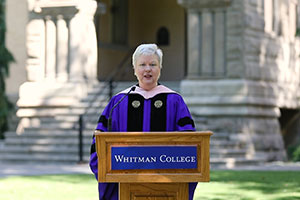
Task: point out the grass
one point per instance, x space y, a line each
234 185
248 185
54 187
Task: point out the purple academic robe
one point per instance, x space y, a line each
160 109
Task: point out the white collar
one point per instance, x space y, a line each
147 94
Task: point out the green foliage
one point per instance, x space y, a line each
296 154
298 32
290 150
5 59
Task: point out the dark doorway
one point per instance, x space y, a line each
290 126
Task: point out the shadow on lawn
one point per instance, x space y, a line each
267 182
222 196
69 178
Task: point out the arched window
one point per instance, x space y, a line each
163 36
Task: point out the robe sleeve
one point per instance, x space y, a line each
102 126
184 121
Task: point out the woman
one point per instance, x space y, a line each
150 107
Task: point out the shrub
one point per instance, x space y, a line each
296 154
5 59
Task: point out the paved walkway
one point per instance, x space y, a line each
30 169
272 166
19 169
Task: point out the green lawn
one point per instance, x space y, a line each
50 187
233 185
246 185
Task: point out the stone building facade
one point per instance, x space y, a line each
259 77
237 62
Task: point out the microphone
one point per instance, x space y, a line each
110 113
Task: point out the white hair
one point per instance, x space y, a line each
147 49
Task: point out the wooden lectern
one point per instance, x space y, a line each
153 165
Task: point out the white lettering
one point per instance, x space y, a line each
168 159
126 159
177 159
141 159
119 158
122 158
153 159
193 159
162 158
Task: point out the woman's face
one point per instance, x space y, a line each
147 71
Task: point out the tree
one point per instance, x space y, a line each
5 59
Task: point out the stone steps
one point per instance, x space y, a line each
221 144
57 146
47 141
220 136
90 125
227 153
36 121
46 149
42 133
50 134
228 163
42 158
48 112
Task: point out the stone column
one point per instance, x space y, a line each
220 43
62 49
207 38
194 44
206 44
35 65
83 42
50 50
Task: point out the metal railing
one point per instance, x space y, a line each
109 83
